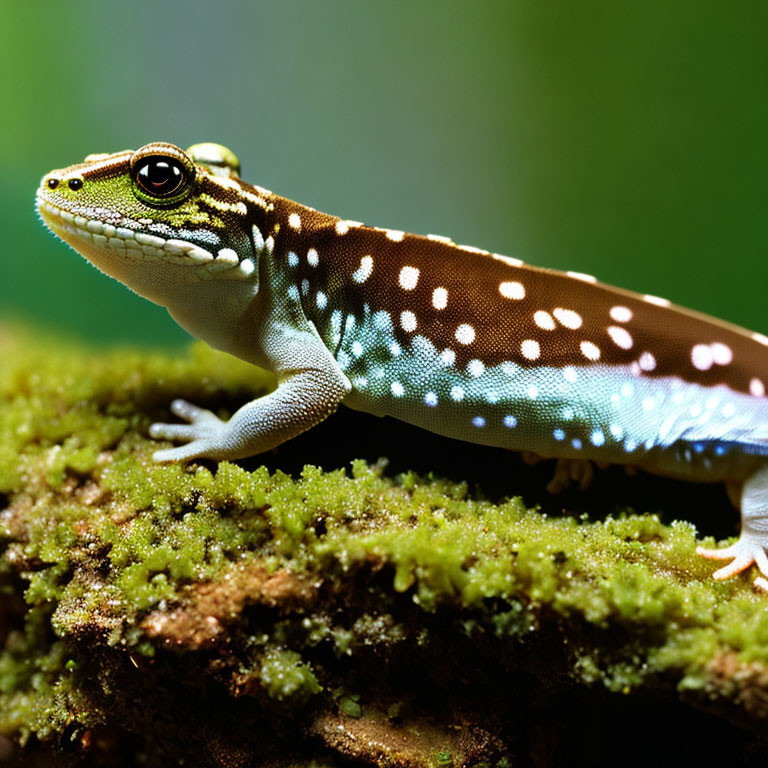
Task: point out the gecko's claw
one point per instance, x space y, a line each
200 435
742 554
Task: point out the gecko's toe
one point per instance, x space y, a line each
188 411
744 553
172 431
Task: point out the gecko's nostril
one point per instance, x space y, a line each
53 183
75 184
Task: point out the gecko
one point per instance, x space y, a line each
455 339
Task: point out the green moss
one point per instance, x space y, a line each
100 538
285 676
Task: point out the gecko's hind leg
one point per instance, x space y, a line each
751 547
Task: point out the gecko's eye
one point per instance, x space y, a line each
160 177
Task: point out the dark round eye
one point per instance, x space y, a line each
53 183
75 184
160 176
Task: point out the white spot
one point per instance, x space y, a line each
363 272
532 392
728 410
439 298
509 421
293 259
478 421
397 389
544 320
569 372
395 234
721 353
492 397
647 362
630 445
227 256
576 443
628 389
589 350
620 314
294 221
360 382
430 399
357 348
448 356
336 321
507 260
305 286
649 404
617 431
472 249
582 276
509 369
702 357
568 413
350 322
408 321
695 410
408 278
620 336
597 438
756 388
530 349
321 300
760 339
657 300
475 368
457 393
344 225
511 289
312 257
247 267
394 349
440 239
465 334
568 318
293 292
258 238
558 434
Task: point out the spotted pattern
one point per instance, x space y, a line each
471 343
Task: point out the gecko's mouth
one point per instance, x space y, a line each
81 231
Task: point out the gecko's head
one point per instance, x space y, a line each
157 216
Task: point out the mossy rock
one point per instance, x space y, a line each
312 608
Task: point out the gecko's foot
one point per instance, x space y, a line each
203 435
568 471
745 552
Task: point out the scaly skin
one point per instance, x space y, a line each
457 340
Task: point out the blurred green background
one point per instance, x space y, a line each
626 139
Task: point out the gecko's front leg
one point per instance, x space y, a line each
310 387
